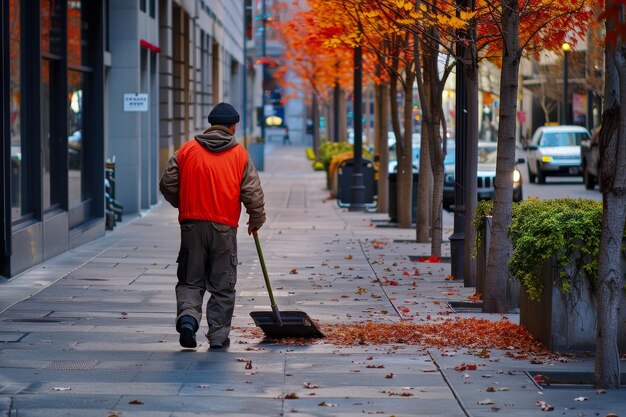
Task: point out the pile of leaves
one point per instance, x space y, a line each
458 332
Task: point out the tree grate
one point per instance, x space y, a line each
72 365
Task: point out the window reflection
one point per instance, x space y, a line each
77 34
75 117
46 133
51 30
51 37
18 182
78 58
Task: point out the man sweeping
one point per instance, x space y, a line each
207 180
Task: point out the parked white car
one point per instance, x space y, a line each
555 151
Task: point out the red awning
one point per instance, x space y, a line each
149 46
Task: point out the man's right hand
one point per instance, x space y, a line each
253 227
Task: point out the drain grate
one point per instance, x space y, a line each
466 306
566 379
44 320
72 365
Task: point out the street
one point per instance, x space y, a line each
559 187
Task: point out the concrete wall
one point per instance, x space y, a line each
133 138
201 64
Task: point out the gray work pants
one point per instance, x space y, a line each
207 261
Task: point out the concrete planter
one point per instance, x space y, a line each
257 154
566 321
513 287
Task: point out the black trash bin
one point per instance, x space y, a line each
393 197
344 183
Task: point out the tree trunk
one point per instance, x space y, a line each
404 175
500 249
470 63
613 178
433 88
315 110
405 156
329 124
424 192
437 207
424 202
334 121
343 118
381 124
430 89
613 157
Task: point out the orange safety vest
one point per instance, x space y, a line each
210 183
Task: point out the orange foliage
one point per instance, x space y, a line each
454 333
543 25
474 333
318 48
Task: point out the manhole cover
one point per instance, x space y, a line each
72 365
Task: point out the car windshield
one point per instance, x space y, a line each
487 154
562 138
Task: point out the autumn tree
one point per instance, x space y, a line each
519 27
394 50
432 28
313 59
344 24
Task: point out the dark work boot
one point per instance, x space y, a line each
224 344
187 327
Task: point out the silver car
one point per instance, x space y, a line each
486 174
555 151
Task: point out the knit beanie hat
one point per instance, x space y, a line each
223 114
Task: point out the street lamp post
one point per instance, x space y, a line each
263 64
565 119
457 239
357 202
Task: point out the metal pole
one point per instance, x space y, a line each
263 84
457 239
244 102
358 187
336 111
566 120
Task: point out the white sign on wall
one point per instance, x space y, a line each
135 102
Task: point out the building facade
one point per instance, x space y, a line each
90 81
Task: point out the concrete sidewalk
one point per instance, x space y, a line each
91 332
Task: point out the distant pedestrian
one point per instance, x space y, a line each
207 180
286 140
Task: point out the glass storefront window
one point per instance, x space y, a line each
77 34
79 62
50 182
51 49
51 30
19 192
75 129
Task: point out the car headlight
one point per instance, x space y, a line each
546 158
517 177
